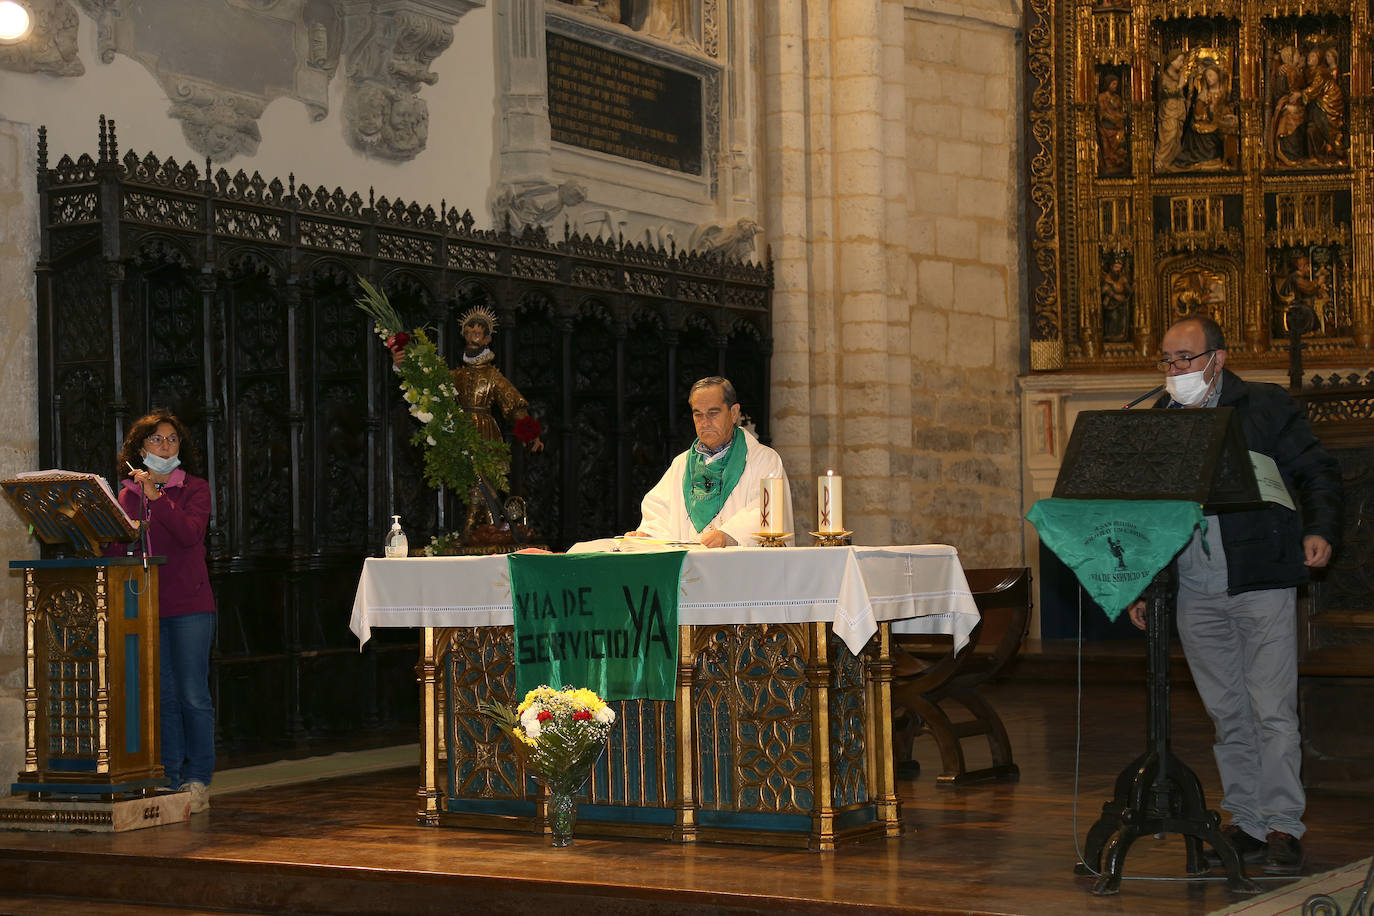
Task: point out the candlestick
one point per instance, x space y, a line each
830 502
770 505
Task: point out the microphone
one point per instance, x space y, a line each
1151 393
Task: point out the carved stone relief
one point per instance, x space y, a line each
536 204
389 53
734 243
51 45
221 63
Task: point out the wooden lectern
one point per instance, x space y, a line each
91 723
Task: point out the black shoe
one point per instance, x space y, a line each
1250 850
1285 854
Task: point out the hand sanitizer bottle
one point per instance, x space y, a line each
396 544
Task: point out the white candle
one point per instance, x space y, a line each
830 503
770 505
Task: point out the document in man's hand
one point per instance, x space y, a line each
1271 486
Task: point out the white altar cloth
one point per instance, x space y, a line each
921 589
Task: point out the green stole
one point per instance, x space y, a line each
705 487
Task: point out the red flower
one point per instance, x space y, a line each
527 429
582 715
397 342
544 715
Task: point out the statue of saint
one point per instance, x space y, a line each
480 388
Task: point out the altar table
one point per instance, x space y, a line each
780 733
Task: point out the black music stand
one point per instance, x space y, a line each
1194 455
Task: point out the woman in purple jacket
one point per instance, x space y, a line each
174 508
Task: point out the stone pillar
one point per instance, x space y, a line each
796 201
523 137
835 142
18 416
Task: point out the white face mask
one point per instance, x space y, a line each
159 465
1190 388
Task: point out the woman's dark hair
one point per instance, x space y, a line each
144 427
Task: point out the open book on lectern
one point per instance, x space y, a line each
69 507
1196 455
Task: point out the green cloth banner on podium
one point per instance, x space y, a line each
603 621
1115 546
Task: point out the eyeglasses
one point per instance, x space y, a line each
1180 362
155 439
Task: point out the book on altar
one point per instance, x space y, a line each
632 545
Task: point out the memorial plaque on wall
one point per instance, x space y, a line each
612 102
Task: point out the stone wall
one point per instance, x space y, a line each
963 108
892 142
18 417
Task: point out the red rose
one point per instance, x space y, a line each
397 342
527 429
544 715
582 715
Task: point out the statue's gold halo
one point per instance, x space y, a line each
482 313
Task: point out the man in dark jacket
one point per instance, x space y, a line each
1237 599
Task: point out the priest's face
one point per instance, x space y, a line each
714 421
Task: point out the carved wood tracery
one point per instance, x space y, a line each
229 299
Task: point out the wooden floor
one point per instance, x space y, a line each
350 846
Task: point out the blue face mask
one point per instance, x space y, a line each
159 465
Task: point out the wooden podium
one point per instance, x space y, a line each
91 727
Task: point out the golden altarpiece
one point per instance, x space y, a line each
1199 156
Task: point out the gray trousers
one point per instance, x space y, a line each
1243 652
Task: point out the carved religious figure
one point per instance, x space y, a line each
1198 291
1325 108
480 388
1307 113
1198 125
673 20
1297 285
1171 108
1118 294
1113 147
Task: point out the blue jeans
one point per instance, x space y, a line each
188 716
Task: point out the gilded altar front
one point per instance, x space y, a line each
1199 157
778 736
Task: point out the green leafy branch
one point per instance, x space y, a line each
455 454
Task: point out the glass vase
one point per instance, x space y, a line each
562 807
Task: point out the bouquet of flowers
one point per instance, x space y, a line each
559 734
455 452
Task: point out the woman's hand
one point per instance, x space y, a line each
145 480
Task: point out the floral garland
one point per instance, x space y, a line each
559 733
456 455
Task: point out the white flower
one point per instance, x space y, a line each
533 728
430 440
605 715
424 416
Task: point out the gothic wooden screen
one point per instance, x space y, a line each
230 301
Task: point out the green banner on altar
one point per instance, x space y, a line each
1115 546
603 621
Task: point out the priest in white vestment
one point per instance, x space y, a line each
711 491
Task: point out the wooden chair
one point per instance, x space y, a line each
928 676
